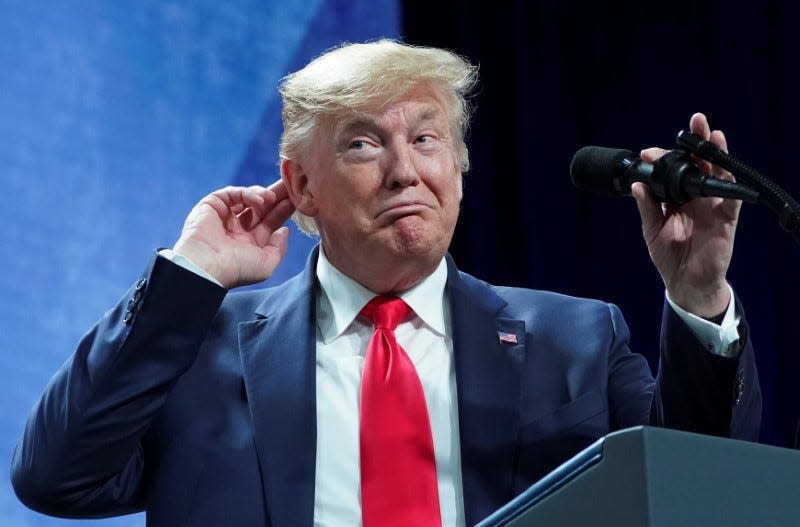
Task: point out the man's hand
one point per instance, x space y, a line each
691 245
235 233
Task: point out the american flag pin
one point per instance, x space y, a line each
508 338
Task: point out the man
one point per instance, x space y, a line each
205 407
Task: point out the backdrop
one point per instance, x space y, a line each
557 76
115 118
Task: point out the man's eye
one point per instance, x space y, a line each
423 139
357 144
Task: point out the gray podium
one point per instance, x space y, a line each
647 476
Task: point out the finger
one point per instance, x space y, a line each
255 196
718 138
271 195
265 206
279 240
231 203
271 222
232 196
730 207
651 155
279 189
649 210
698 125
272 252
249 219
248 206
226 204
278 215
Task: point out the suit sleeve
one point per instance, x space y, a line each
701 392
81 453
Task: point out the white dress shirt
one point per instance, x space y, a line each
342 338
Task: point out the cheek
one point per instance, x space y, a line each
348 198
445 181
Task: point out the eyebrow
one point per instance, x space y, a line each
354 123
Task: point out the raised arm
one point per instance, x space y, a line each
84 449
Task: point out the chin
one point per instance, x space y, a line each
415 238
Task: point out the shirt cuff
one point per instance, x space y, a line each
720 339
187 264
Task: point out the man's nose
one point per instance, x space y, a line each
401 171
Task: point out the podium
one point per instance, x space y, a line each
646 476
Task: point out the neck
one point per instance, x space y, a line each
388 277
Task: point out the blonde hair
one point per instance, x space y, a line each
366 77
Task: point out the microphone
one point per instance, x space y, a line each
675 178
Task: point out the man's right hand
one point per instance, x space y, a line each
235 233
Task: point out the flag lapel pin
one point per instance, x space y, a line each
507 338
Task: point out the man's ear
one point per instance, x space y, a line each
296 181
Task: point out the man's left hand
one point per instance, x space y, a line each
691 245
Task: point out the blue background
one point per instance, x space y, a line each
115 118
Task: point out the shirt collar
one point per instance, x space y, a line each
342 298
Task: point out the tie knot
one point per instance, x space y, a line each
386 312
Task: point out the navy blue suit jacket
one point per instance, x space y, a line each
199 407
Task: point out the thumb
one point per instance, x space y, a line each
280 241
267 258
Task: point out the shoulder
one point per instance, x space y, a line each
264 300
523 298
549 308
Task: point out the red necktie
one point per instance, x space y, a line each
398 468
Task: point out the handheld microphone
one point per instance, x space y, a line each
673 179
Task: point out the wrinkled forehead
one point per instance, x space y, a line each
422 104
409 115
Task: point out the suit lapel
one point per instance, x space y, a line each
279 356
278 351
488 384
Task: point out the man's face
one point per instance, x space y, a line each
385 188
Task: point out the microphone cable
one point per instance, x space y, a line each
770 194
